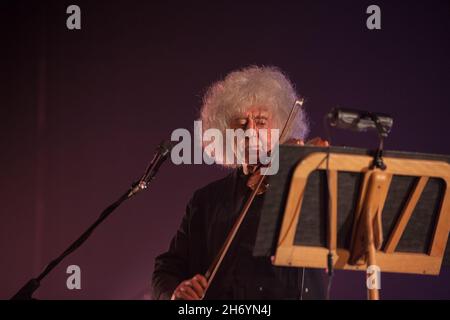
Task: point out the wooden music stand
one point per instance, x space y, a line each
397 219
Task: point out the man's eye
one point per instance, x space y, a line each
262 122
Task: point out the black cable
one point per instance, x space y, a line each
301 283
330 269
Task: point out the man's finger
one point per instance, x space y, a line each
182 295
197 287
190 292
202 281
318 142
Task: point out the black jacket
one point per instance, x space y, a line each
209 217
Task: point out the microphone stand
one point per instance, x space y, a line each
163 150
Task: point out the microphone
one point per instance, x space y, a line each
358 120
162 152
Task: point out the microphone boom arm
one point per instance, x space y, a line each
163 150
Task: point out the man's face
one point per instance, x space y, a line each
255 118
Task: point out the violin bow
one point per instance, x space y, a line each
214 267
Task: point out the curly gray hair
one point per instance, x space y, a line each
241 89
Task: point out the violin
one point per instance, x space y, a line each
253 180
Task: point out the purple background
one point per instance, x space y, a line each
82 111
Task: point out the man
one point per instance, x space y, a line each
253 98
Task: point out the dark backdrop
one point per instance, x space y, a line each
82 111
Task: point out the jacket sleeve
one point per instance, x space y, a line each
172 267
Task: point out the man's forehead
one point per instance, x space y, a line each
254 111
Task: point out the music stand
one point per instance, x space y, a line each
397 219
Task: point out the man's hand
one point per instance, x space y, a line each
191 289
318 142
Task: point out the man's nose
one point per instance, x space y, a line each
250 123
